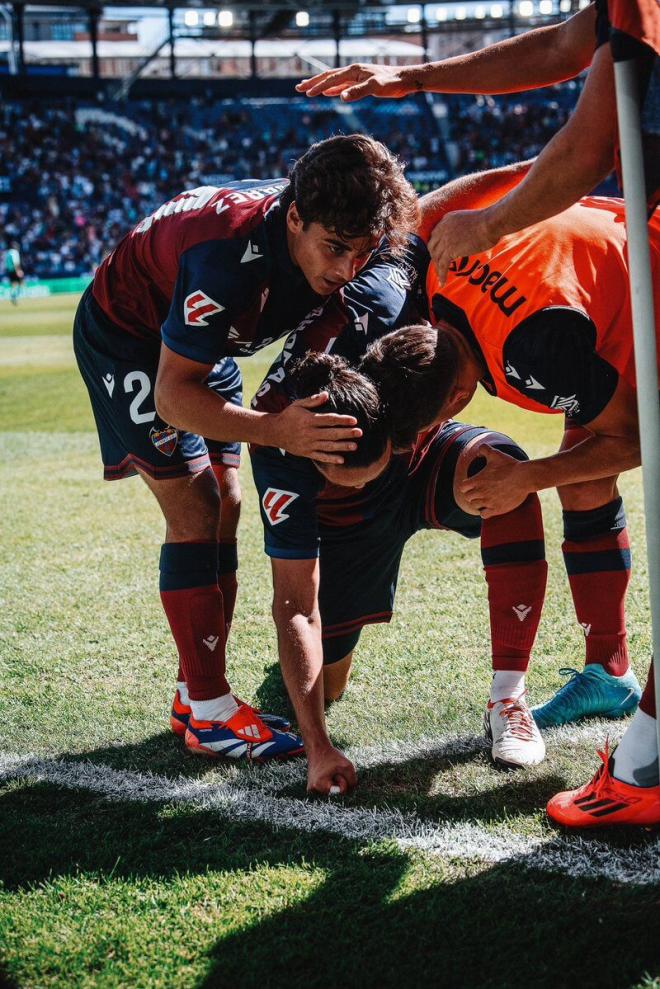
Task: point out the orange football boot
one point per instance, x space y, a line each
606 801
180 715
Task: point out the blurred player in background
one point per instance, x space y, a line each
336 533
213 274
14 271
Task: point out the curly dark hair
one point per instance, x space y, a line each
350 393
353 185
414 369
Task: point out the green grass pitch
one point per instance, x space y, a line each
124 862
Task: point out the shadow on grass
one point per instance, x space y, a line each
405 785
497 927
408 786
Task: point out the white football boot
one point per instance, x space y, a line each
512 732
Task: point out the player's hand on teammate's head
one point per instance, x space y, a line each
357 81
320 436
500 487
459 234
330 773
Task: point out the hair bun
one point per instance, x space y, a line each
314 372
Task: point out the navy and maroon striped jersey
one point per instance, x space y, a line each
209 272
294 497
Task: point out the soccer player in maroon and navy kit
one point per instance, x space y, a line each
212 274
335 533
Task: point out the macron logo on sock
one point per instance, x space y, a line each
522 610
211 642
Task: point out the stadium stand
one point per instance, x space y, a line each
75 177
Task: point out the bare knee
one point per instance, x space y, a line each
229 487
587 495
335 678
469 463
190 505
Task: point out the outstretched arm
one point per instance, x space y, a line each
183 400
296 614
536 58
469 192
576 159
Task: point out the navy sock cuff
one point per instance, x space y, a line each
184 565
227 558
580 526
529 551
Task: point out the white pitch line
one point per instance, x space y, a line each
244 796
274 777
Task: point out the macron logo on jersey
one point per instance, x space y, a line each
274 501
252 252
198 306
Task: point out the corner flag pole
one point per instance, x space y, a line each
641 292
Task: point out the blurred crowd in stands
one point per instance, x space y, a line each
74 179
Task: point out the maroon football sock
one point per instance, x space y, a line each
513 554
597 557
192 601
227 568
229 587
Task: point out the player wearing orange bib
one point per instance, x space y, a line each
543 321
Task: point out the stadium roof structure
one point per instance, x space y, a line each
316 32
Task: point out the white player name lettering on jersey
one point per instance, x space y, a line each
192 199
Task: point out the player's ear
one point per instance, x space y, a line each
293 221
457 399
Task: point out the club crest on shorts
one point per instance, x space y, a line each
274 501
165 440
198 307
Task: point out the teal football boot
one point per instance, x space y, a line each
590 693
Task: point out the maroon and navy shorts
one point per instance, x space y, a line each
120 373
359 564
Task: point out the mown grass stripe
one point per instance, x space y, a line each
246 797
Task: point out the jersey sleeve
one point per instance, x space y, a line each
287 487
551 358
208 283
388 293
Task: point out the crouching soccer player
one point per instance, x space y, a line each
212 274
336 533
